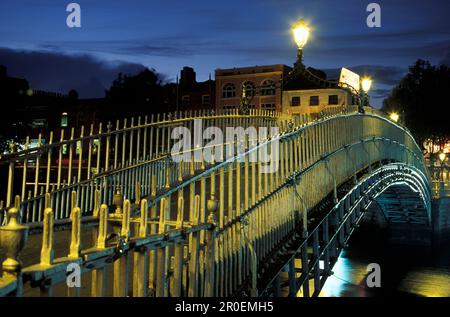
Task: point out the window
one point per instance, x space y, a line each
206 100
268 88
295 102
186 101
268 106
229 91
314 100
250 89
333 100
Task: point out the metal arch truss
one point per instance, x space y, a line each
404 195
320 250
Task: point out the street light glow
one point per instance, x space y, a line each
301 33
366 84
394 116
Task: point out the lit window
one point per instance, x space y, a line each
295 102
314 101
229 91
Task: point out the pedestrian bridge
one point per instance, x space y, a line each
115 207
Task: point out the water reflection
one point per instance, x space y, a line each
348 279
405 270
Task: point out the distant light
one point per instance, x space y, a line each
300 31
366 84
442 156
64 119
394 117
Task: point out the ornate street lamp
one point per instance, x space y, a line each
300 31
366 84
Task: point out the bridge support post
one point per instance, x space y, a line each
276 286
210 253
292 279
140 270
122 264
316 270
343 228
325 237
305 269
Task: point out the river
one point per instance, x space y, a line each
406 270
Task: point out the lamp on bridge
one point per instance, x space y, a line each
394 116
366 84
300 31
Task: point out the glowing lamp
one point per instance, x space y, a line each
366 84
394 116
301 33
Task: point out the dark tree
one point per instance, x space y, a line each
136 95
73 95
421 99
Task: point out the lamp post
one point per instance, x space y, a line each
366 84
300 31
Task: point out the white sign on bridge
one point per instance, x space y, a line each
349 78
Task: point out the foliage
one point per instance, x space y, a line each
421 100
138 94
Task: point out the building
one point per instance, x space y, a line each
193 95
258 83
309 101
311 92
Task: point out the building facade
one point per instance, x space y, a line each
310 101
193 95
259 81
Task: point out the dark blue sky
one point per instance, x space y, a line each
35 42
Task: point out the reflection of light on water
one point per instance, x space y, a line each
427 282
348 274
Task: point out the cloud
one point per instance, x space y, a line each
59 72
380 93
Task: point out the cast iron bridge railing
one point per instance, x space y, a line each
227 229
101 159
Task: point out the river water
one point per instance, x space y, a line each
406 270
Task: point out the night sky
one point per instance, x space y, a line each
125 36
